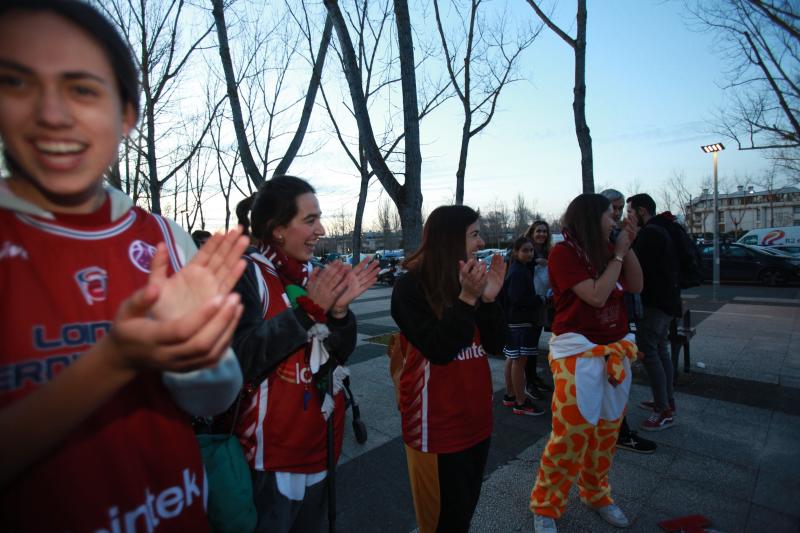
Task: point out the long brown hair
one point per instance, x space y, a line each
444 239
547 243
582 221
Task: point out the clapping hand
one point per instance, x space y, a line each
473 278
494 278
359 278
212 272
185 321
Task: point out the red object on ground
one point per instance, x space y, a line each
687 524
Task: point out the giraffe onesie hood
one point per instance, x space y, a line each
592 382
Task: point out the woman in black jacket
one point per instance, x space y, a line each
448 317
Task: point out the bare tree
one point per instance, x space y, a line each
318 63
495 224
156 30
408 196
376 58
522 216
578 45
760 40
479 74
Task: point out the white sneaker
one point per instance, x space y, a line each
613 515
543 524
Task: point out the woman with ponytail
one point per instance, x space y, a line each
295 323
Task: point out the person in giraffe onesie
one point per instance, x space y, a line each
590 353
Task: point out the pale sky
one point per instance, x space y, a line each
652 85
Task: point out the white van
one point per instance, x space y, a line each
785 235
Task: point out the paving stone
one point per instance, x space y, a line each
717 475
679 498
779 491
762 519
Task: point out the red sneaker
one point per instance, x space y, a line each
658 421
509 401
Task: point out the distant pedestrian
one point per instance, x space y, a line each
522 307
661 298
628 440
539 234
590 351
448 317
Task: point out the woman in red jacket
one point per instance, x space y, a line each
447 314
590 350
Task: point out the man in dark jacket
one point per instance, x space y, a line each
661 299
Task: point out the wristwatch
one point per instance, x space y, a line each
619 258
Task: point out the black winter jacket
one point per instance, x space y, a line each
660 266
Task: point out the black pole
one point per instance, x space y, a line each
331 457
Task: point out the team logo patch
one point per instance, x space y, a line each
141 255
93 283
10 250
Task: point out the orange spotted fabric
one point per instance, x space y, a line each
576 447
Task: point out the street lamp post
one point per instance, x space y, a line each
714 149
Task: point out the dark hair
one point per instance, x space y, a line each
443 245
517 246
101 30
643 200
547 243
582 220
275 205
243 213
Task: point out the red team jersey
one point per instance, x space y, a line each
133 464
281 428
446 408
600 325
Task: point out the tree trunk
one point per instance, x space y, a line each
462 159
407 197
248 163
411 208
152 167
579 104
308 106
362 202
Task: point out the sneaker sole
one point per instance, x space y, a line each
508 404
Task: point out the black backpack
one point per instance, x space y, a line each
689 260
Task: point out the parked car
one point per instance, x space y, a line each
794 251
739 262
484 255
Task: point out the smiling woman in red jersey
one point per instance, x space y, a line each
288 308
448 318
110 316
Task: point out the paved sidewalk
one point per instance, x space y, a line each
733 456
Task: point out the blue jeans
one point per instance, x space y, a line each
652 338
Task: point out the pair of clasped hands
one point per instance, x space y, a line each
185 321
629 227
479 283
